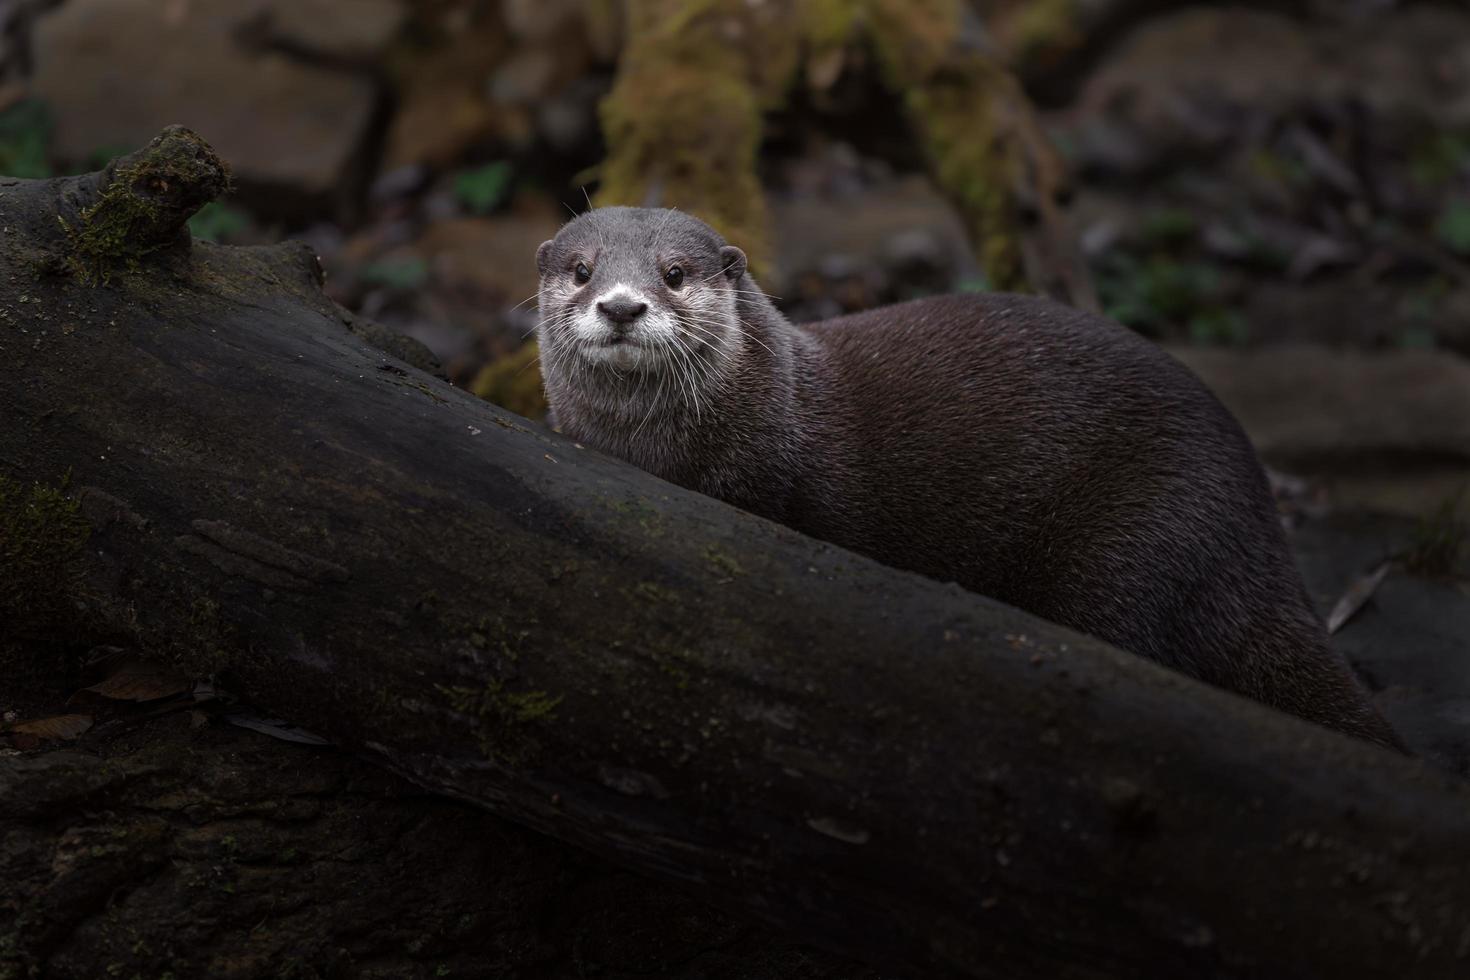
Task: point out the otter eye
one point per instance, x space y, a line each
582 273
674 278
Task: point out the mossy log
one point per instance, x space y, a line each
896 768
684 121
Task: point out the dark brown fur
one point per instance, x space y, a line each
1027 451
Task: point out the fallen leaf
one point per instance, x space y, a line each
138 680
1356 597
57 727
276 728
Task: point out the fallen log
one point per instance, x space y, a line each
206 850
888 765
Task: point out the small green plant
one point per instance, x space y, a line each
1169 227
1441 544
25 134
404 274
1421 310
217 222
481 190
1218 327
1272 167
1453 227
1157 294
1439 159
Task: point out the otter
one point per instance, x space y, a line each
1028 451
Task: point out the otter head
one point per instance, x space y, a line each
637 291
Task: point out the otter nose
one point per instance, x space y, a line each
622 309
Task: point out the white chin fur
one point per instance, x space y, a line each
620 357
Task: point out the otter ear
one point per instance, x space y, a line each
543 257
732 260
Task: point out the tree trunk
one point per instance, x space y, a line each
897 768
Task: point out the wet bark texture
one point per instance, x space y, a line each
216 852
900 770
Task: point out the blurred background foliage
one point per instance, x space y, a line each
1223 175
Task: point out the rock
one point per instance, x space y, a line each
463 287
1389 430
399 183
282 124
567 121
352 30
525 78
539 20
443 107
902 240
1341 312
1307 405
1321 252
1454 320
1323 162
1223 58
1191 83
494 258
1408 642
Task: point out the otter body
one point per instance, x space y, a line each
1030 452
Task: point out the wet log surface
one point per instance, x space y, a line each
211 851
892 767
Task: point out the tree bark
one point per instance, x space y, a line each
897 768
170 848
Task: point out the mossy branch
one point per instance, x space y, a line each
684 121
141 204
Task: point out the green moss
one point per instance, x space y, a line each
952 100
110 232
973 168
42 534
828 24
144 204
1042 32
652 592
513 383
505 718
914 39
723 563
683 121
675 664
